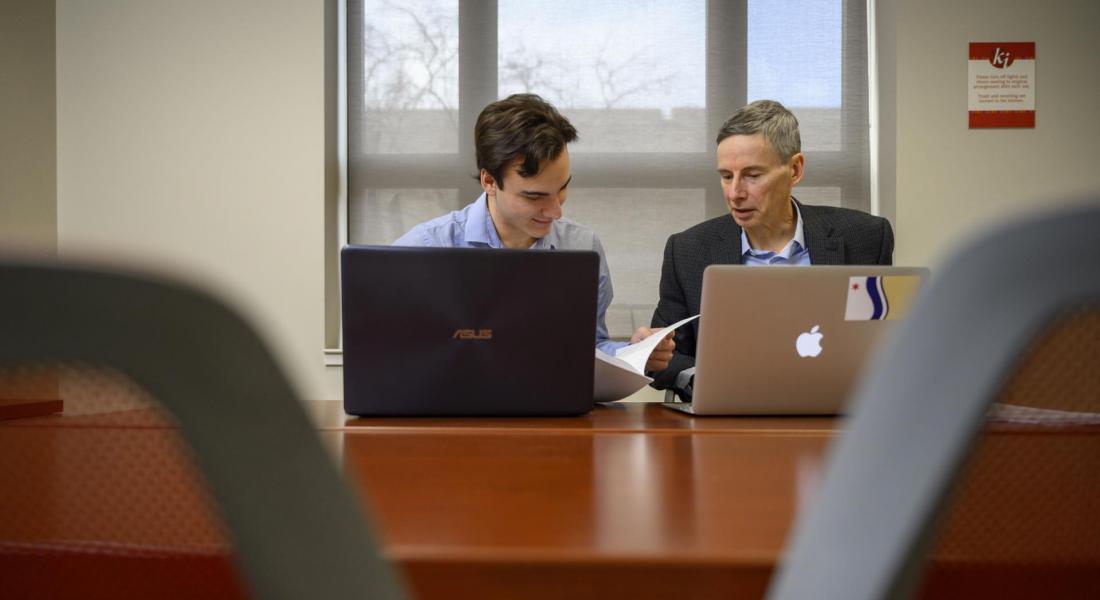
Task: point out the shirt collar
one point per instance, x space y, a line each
549 241
796 245
480 231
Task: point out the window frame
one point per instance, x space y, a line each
726 70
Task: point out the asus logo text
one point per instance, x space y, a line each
472 334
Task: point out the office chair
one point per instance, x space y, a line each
116 347
1012 316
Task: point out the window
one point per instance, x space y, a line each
647 83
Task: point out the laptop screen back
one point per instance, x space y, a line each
792 340
467 331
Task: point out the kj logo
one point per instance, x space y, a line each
1001 59
472 334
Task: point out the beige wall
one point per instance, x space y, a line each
190 139
28 171
951 179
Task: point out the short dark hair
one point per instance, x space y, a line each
770 118
520 125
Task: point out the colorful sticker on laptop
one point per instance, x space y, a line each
885 298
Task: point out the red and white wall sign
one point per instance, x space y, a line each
1002 84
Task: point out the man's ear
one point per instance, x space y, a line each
488 183
798 166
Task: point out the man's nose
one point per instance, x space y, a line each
553 207
736 189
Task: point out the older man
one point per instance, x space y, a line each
759 162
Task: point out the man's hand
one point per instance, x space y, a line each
661 355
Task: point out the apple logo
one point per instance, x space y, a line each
809 343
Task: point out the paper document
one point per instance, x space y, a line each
619 376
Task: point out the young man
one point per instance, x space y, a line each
759 161
523 166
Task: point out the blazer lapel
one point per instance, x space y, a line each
728 251
826 247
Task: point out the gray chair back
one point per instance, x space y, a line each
923 401
297 530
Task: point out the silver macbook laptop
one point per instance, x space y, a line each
791 340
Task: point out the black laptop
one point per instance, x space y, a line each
468 331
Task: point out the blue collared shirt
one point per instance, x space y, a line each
794 253
472 227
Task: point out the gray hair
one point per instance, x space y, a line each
769 118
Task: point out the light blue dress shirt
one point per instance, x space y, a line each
472 227
794 253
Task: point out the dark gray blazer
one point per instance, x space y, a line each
834 236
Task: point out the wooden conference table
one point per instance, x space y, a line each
629 501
